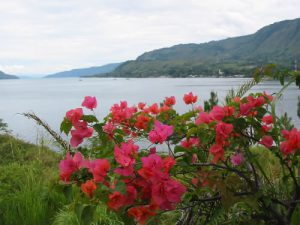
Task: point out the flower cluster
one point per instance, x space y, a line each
144 181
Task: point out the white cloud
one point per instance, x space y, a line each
52 35
12 69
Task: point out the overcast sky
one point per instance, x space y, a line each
46 36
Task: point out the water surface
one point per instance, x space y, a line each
51 98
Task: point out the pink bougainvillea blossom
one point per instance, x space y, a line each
267 119
125 156
160 133
237 159
70 165
89 102
88 188
79 134
203 117
99 169
292 141
217 113
109 128
170 101
190 98
267 141
74 115
189 143
217 151
121 112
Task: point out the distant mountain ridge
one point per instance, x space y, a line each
276 43
7 76
86 71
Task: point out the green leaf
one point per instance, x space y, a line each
179 148
281 79
87 214
192 131
89 118
97 127
121 187
65 126
296 216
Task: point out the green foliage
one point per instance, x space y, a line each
30 193
65 126
14 150
213 100
26 176
3 126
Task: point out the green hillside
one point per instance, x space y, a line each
6 76
276 43
99 70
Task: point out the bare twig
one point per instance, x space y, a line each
55 135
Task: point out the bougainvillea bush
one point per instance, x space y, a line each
235 163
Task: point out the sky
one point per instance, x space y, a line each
39 37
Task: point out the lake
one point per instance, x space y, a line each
51 98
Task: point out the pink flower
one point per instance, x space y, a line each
203 118
269 97
141 213
88 188
194 158
167 193
170 101
259 101
153 109
246 108
217 151
237 159
191 142
152 162
267 119
109 128
99 169
229 110
160 133
223 130
152 168
74 115
217 113
168 163
118 200
141 105
70 165
125 156
157 184
121 113
79 134
267 141
115 200
292 142
189 98
152 150
89 102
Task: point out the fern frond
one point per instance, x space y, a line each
242 90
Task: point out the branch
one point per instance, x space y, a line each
55 135
238 172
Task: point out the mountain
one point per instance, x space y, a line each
7 76
86 71
276 43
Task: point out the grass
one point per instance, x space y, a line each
30 193
27 173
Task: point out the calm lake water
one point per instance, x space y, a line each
51 98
